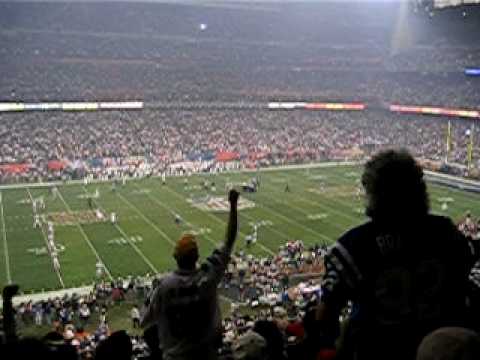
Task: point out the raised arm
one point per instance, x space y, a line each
232 227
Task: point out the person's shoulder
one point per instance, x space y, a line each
438 220
356 234
442 226
164 280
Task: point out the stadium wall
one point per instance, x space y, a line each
454 182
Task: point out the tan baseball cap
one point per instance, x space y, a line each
185 246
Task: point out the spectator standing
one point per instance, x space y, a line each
184 304
84 314
405 271
135 315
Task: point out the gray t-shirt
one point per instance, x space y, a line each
185 308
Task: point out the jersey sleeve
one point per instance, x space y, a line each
342 276
215 265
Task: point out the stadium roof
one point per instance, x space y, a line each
449 3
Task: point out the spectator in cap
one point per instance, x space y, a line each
184 304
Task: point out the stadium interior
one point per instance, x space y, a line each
131 133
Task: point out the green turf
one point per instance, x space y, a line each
146 208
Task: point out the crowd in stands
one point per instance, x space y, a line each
267 281
55 146
470 226
259 57
168 58
273 297
82 321
280 287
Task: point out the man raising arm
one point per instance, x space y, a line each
184 305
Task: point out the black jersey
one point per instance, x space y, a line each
402 283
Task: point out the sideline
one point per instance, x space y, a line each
267 169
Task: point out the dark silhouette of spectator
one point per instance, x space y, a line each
28 348
274 338
116 346
450 344
150 335
58 347
9 326
250 346
405 271
184 304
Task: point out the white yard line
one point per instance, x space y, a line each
264 248
147 220
5 245
46 245
155 200
308 229
272 229
336 200
85 236
326 207
127 238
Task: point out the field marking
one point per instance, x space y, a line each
85 236
435 189
5 245
154 199
263 247
330 198
328 208
272 229
147 220
432 191
191 225
306 228
46 244
120 230
458 208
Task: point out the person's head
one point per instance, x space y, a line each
450 344
186 252
395 187
25 348
116 346
150 336
250 346
59 347
272 335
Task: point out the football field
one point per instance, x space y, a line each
321 204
